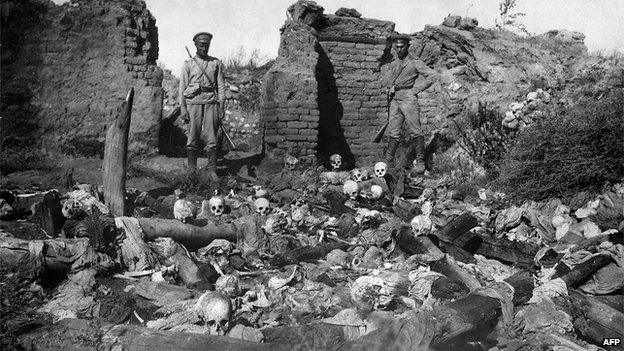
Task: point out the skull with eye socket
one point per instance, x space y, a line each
335 161
290 163
262 205
217 206
215 309
351 189
381 168
357 175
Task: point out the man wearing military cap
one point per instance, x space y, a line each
405 77
202 97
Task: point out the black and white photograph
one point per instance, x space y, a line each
312 175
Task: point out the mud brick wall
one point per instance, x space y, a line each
77 62
324 93
351 99
290 114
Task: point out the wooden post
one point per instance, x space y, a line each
115 154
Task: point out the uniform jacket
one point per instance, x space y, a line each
196 88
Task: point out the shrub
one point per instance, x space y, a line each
483 136
568 151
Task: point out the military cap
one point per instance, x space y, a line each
400 37
202 33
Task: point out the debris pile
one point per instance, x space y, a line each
294 254
523 114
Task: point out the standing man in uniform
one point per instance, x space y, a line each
202 98
403 89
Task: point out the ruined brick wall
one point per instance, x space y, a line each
77 62
324 95
290 112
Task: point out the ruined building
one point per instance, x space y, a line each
324 95
66 70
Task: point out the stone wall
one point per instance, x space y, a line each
77 62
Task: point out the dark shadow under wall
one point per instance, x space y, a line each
331 138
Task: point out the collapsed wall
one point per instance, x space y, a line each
76 62
324 93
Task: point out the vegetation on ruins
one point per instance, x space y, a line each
573 149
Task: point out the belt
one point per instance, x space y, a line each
404 87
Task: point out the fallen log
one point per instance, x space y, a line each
83 335
193 237
581 272
595 320
115 155
305 254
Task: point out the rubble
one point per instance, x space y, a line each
288 259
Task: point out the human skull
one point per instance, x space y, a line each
336 162
260 192
375 192
228 284
291 163
357 175
380 169
262 206
215 309
216 205
351 189
421 225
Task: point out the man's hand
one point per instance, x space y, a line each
184 115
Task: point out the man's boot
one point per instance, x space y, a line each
388 158
192 160
419 162
211 168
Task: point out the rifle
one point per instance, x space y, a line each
381 131
227 137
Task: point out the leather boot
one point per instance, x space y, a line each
211 167
419 162
192 160
393 144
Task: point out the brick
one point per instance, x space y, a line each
313 124
288 117
370 65
343 44
371 104
364 46
308 118
351 104
307 132
311 138
297 124
296 137
272 139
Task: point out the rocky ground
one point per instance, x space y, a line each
306 258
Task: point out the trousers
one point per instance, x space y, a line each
404 108
203 126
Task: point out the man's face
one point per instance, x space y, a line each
400 48
202 43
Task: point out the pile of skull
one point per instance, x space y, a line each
357 183
278 210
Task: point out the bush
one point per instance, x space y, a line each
484 138
569 151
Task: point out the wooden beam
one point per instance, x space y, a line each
115 155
